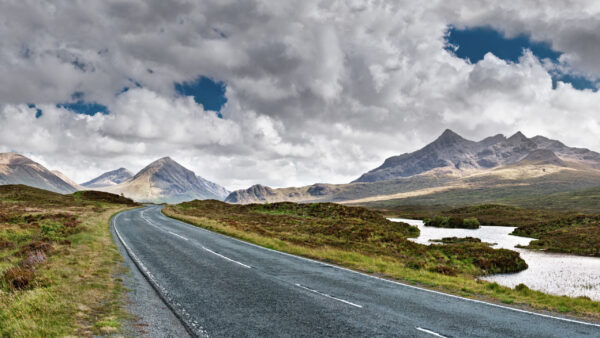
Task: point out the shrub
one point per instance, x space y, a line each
522 288
437 221
413 264
471 223
51 231
18 277
444 270
455 222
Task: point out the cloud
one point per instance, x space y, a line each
317 91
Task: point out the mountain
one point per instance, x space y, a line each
452 152
218 191
263 194
18 169
109 178
166 181
454 166
67 180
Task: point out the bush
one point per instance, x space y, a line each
437 221
452 222
455 222
471 223
522 288
19 278
413 264
444 270
51 231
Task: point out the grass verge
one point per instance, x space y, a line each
321 235
59 264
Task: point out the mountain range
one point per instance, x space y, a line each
453 152
452 162
449 168
162 181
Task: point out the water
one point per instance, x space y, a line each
557 274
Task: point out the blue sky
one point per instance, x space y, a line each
79 105
207 92
473 43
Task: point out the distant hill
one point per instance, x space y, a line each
165 180
18 169
451 165
109 178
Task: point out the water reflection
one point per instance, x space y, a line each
557 274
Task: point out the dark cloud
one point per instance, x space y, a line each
316 90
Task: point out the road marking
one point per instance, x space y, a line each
430 332
159 228
328 296
174 234
175 307
227 258
390 281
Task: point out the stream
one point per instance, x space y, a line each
553 273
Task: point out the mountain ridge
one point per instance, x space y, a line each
451 150
450 162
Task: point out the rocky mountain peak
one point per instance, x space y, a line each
14 159
517 137
449 137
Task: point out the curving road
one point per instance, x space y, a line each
219 286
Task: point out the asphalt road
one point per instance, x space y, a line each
219 286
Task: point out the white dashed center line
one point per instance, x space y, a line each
159 228
328 296
174 234
226 258
430 332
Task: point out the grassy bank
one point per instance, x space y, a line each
58 263
363 240
555 231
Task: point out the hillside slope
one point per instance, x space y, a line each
18 169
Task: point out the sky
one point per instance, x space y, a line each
288 93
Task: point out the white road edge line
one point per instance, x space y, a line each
328 296
430 332
391 281
196 328
226 258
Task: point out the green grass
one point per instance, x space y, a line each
71 289
355 230
275 228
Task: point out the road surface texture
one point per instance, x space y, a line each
219 286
